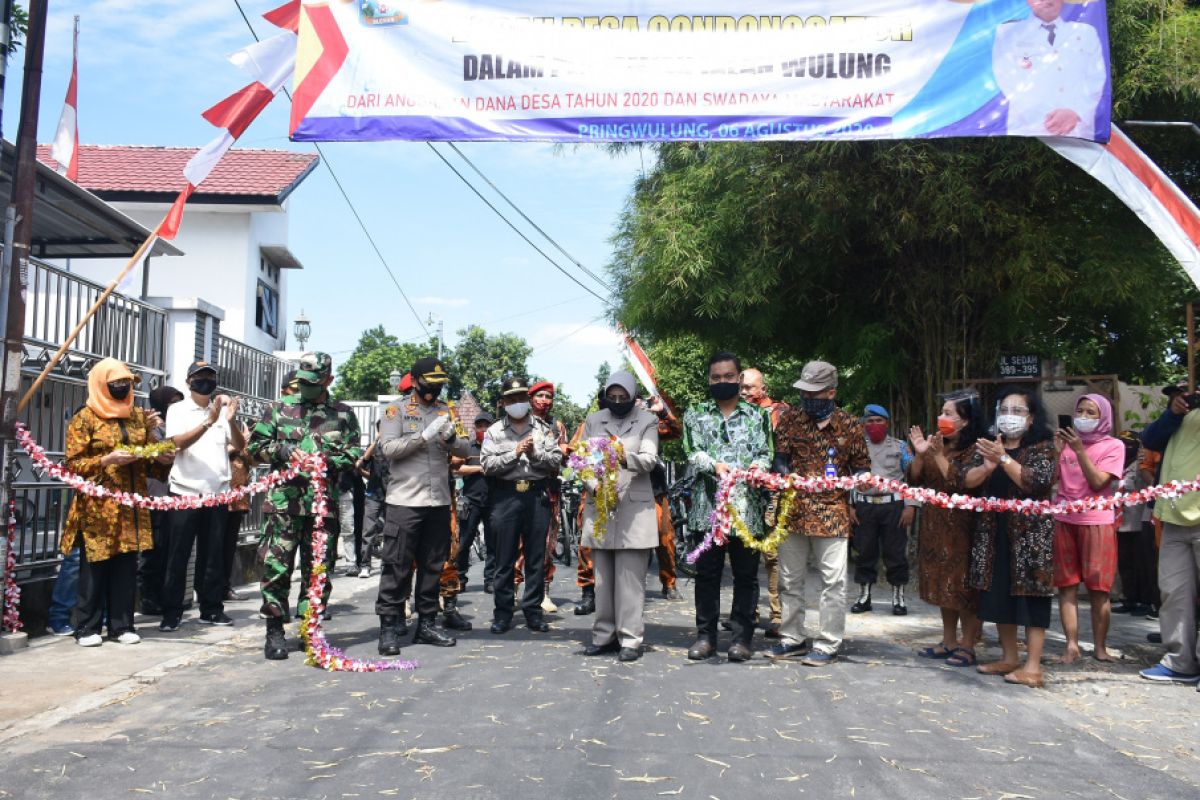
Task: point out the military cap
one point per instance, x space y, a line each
513 386
289 378
314 367
429 370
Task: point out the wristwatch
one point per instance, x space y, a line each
1004 459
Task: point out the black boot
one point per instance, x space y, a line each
587 603
864 600
402 621
389 636
898 606
450 616
276 647
429 633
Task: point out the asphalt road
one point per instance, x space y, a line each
526 715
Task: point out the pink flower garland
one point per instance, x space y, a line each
722 520
12 592
320 652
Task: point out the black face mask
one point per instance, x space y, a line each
119 392
724 391
204 386
620 409
429 391
818 408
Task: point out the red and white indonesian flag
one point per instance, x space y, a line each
1145 188
270 64
643 367
65 147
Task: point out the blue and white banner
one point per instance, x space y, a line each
649 70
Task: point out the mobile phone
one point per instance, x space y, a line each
1192 400
1064 422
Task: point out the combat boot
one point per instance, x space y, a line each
275 648
389 636
450 616
402 621
587 603
863 604
429 633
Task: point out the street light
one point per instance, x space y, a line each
302 329
394 379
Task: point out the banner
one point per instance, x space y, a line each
649 70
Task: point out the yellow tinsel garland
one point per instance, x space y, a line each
770 542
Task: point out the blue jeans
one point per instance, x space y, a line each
62 601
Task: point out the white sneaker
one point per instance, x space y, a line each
365 572
93 640
548 605
129 637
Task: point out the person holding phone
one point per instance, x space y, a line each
1090 462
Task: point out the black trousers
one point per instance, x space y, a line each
206 525
374 513
105 586
467 532
152 564
878 529
743 562
1137 563
233 530
519 519
413 533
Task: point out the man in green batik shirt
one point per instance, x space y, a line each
303 422
720 434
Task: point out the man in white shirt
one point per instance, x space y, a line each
199 425
1052 73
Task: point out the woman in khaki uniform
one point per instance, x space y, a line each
112 534
623 554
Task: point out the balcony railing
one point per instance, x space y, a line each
250 372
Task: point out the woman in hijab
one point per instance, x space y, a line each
621 556
1090 462
111 534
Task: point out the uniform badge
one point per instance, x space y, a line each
412 427
391 412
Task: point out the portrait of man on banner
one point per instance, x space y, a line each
1051 71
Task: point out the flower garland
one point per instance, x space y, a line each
770 542
725 521
599 459
12 592
149 451
320 653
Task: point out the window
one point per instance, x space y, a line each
266 309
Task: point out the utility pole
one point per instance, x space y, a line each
18 238
441 337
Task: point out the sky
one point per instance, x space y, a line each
147 71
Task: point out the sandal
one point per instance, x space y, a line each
933 652
962 657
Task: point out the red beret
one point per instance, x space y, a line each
541 386
406 383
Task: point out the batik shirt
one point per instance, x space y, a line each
742 439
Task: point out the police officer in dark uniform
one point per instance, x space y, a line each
472 504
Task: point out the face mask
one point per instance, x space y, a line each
946 426
119 392
1085 424
311 392
429 391
542 406
517 410
620 409
876 431
721 391
204 386
1012 425
818 408
479 436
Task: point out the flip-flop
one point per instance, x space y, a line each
931 652
962 657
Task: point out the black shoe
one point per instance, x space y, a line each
537 625
863 604
150 608
739 651
451 618
629 654
275 648
587 603
501 626
771 631
601 649
1154 638
352 571
429 633
169 624
216 619
389 636
1128 608
670 593
899 607
726 625
703 649
1152 612
489 587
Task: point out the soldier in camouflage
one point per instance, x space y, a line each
303 422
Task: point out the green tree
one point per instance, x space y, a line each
915 262
571 413
364 375
480 362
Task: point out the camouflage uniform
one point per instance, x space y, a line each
310 426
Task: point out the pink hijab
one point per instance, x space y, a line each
1106 418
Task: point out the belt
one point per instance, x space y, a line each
876 499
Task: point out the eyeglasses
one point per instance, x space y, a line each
1013 410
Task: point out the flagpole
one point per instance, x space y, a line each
86 318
